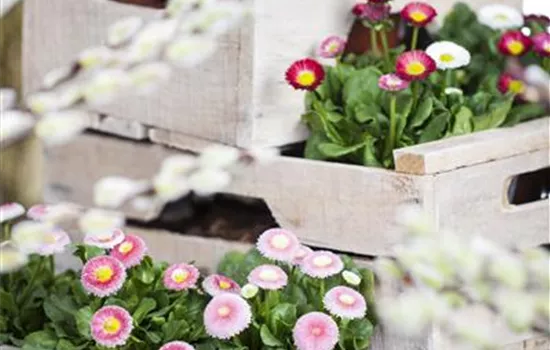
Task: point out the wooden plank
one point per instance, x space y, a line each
178 140
456 152
120 127
473 200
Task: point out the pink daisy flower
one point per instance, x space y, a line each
414 65
306 74
226 315
177 345
111 326
55 242
375 13
345 302
541 44
315 331
392 82
9 211
332 47
278 244
37 212
130 251
514 43
103 276
217 284
507 83
270 277
418 14
322 264
105 240
301 254
358 9
181 276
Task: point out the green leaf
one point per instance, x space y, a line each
145 306
524 112
59 309
64 344
284 313
369 153
7 302
83 318
463 121
41 340
145 274
366 111
268 338
422 113
435 128
362 86
174 330
86 252
495 117
332 150
312 146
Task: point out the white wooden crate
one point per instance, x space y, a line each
237 97
462 182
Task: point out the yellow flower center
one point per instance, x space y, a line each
126 247
516 86
111 325
516 47
224 311
50 238
306 78
180 275
280 241
446 58
322 261
415 68
546 46
316 331
269 275
346 299
418 16
104 273
333 47
224 285
501 17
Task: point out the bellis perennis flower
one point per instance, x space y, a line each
497 16
181 276
345 302
374 12
301 254
103 276
418 14
105 240
306 74
332 47
514 43
269 277
278 244
392 82
448 55
111 326
507 83
414 65
315 331
218 284
55 242
322 264
9 211
541 44
227 315
11 259
130 252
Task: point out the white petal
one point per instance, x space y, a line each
99 222
114 191
148 44
438 50
8 98
43 102
175 8
218 156
497 16
264 155
14 125
58 128
9 211
94 57
214 20
170 188
190 51
11 259
28 236
123 30
178 165
53 77
105 86
146 78
53 213
209 181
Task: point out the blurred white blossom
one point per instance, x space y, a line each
58 128
43 102
123 30
190 51
146 78
55 76
170 188
209 181
105 86
508 270
10 211
28 236
114 191
14 125
415 219
8 98
11 259
99 222
149 42
94 56
218 157
178 165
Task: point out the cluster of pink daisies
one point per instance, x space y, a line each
229 312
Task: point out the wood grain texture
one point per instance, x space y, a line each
460 151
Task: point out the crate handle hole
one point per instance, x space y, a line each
157 4
528 187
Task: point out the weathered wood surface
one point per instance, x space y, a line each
461 151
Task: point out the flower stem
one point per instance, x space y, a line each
414 41
28 290
390 140
6 231
414 87
386 49
374 42
447 81
546 64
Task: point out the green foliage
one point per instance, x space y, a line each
276 312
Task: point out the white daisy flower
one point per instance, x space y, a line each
123 30
9 211
11 259
146 78
189 52
218 156
114 191
14 125
94 56
499 16
28 236
58 128
97 222
105 86
8 98
448 55
178 165
206 181
169 187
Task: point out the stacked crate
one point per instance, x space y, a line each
239 97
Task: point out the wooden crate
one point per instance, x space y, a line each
237 97
462 182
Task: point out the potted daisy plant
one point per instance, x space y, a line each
394 84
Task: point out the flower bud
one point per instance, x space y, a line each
351 278
249 291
